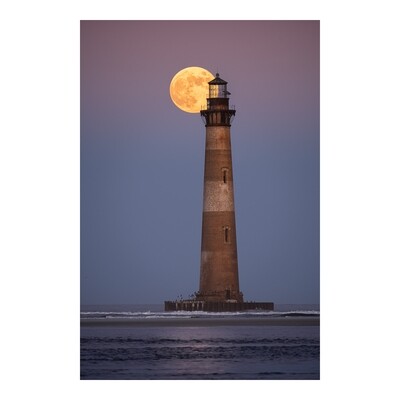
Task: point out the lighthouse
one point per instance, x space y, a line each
219 277
219 272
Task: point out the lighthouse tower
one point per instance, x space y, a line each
219 278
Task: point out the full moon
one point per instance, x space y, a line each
189 88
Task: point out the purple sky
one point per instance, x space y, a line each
142 159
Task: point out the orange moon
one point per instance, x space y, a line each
189 88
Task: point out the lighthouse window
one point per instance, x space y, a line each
225 175
218 91
226 234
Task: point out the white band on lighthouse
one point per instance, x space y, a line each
218 196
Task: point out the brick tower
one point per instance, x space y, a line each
219 279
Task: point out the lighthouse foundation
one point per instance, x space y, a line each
216 306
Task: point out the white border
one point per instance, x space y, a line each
40 201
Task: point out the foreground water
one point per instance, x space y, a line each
143 342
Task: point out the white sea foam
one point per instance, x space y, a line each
194 314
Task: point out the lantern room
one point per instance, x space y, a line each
217 88
218 112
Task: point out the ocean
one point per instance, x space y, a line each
142 342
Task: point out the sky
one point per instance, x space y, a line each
142 159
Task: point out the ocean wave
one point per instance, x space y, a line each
195 314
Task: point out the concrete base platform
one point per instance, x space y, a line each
216 306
